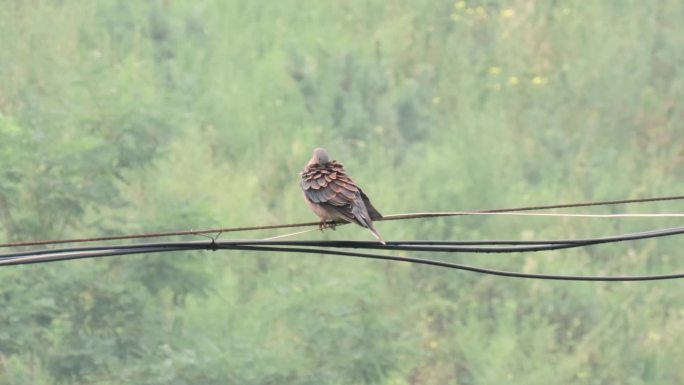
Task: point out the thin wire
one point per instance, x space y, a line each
543 207
305 224
463 246
290 234
71 255
570 215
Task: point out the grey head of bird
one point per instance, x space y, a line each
320 157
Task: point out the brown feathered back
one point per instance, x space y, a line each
329 186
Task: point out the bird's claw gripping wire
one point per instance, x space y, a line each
327 225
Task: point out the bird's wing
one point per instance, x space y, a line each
372 211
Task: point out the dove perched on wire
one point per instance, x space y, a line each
333 195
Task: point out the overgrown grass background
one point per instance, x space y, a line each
124 116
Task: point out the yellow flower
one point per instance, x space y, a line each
434 344
436 100
460 5
494 70
513 80
507 13
539 80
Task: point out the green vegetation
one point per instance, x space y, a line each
135 116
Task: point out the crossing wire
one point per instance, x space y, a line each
315 247
307 224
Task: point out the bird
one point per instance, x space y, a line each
333 195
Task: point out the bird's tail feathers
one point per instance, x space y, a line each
369 225
363 218
376 234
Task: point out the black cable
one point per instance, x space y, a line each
430 262
457 266
421 245
306 247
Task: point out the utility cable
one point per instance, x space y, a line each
431 262
302 247
306 224
417 245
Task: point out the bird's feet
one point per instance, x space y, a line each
323 225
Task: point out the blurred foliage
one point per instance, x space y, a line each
119 117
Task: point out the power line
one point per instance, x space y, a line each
532 208
554 215
418 245
557 215
475 269
315 247
306 224
431 262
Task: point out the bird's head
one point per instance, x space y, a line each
320 157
